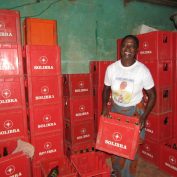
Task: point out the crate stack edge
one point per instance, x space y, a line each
78 113
13 114
42 57
97 70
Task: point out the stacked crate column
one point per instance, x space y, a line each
78 112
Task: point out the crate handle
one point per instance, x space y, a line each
66 125
64 80
165 67
127 121
165 38
165 121
165 93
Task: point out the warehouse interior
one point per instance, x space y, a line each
75 41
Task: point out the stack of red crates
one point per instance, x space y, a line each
159 123
174 99
97 70
78 113
13 119
155 51
43 90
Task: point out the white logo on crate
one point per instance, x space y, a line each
43 60
148 127
81 84
44 90
2 25
146 151
148 124
117 136
47 118
6 93
81 87
6 65
83 135
83 131
81 108
172 160
145 45
8 124
82 113
10 170
47 145
146 147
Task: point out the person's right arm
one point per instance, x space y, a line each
105 98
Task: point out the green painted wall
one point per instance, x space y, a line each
88 29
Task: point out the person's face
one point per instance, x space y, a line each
129 49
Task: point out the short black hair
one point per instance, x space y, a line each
132 37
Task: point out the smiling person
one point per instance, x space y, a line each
126 79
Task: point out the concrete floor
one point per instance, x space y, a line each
146 169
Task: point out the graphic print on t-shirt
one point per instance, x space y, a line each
122 90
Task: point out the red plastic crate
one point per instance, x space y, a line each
164 99
90 164
175 110
174 45
168 157
46 118
44 89
43 60
10 26
79 132
155 45
162 71
11 165
65 167
97 100
71 149
150 151
10 60
13 123
47 146
78 108
11 143
97 105
98 69
12 92
159 127
114 135
77 85
36 169
118 48
39 31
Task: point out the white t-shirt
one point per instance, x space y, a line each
127 83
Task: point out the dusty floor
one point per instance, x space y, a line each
146 169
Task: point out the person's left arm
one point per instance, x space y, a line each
151 93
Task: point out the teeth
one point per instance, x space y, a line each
127 53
